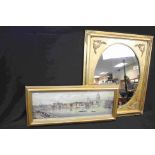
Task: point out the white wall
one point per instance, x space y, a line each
129 72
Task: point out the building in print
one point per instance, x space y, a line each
98 100
78 106
58 109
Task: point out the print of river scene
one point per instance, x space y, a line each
72 104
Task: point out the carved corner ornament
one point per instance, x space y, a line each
141 48
97 44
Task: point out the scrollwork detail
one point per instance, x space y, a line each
97 44
141 48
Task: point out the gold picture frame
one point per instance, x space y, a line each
96 42
42 99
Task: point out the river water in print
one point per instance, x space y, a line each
72 104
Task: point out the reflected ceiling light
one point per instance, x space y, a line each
102 73
120 65
117 51
96 76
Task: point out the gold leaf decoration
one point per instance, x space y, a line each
97 44
141 48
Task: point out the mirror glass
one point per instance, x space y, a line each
118 64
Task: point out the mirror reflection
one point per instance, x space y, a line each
118 64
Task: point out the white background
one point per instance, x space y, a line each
77 142
81 12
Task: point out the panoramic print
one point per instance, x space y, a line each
72 104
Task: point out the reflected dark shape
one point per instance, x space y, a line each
118 64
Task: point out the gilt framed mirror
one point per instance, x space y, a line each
119 59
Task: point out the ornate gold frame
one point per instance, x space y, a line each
97 41
33 122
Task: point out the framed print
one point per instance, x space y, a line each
118 58
70 104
